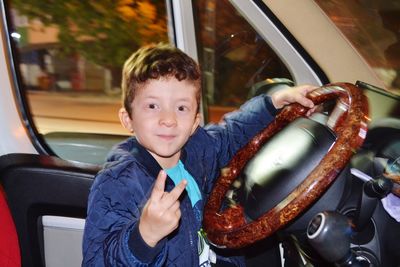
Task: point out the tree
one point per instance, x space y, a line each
105 32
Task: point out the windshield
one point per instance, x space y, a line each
373 28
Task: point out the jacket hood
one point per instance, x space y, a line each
121 150
130 150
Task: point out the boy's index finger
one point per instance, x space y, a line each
159 185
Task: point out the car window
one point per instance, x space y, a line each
69 56
373 28
235 59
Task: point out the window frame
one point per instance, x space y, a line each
17 132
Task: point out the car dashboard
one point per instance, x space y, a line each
368 207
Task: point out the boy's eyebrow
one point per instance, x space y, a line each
187 99
151 97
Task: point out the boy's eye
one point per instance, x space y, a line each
151 106
182 108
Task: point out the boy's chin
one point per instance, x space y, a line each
171 157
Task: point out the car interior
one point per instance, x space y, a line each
348 212
38 185
348 224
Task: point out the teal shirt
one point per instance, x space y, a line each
177 174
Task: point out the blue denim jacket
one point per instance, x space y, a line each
122 187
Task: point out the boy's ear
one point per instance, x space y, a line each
125 119
196 123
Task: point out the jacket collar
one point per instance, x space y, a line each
146 159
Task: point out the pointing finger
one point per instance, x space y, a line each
159 185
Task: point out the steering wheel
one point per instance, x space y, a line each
348 119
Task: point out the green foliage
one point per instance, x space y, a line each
95 29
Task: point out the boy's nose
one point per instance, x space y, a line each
168 118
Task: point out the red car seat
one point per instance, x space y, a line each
9 246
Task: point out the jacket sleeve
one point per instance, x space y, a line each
238 127
111 235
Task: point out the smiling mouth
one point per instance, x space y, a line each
166 137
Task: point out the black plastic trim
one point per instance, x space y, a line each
38 185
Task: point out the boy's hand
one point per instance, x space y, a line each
161 214
293 94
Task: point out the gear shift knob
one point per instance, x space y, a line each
329 233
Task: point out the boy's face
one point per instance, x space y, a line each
164 116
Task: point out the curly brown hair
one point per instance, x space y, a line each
157 61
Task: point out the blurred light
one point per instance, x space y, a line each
16 35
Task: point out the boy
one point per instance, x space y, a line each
136 215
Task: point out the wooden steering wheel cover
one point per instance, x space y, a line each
229 228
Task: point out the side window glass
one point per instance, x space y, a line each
235 60
373 28
70 57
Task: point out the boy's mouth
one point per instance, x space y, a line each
166 137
